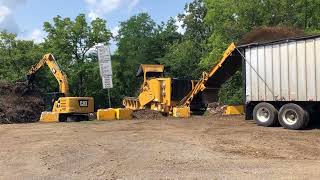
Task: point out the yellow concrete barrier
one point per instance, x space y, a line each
123 114
106 114
234 110
181 112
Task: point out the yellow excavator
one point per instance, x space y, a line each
64 108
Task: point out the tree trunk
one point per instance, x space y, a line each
80 85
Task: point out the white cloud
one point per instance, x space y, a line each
179 24
115 31
12 3
113 43
92 15
4 12
133 4
100 8
36 35
7 20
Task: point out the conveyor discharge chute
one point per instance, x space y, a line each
211 81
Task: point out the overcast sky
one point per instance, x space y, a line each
26 17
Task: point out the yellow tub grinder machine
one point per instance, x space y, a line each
180 97
158 93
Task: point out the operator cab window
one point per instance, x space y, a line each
151 75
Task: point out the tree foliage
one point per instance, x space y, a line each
231 19
16 56
71 41
141 41
183 57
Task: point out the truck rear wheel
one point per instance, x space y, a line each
265 114
292 116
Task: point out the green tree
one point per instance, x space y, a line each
166 34
183 57
135 37
231 19
16 56
135 46
70 42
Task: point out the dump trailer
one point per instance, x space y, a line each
282 81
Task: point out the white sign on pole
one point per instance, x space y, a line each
104 57
106 69
107 82
104 54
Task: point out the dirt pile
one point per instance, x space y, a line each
267 34
19 103
147 114
216 108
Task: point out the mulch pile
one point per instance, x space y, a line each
266 34
216 108
147 114
19 103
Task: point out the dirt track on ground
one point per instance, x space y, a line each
200 147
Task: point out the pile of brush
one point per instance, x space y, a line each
19 103
266 34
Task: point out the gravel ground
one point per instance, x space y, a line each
210 147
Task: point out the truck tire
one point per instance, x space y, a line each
265 114
294 117
306 124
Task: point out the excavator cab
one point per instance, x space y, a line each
50 98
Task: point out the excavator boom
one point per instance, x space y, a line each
56 71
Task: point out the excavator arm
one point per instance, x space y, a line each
60 76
